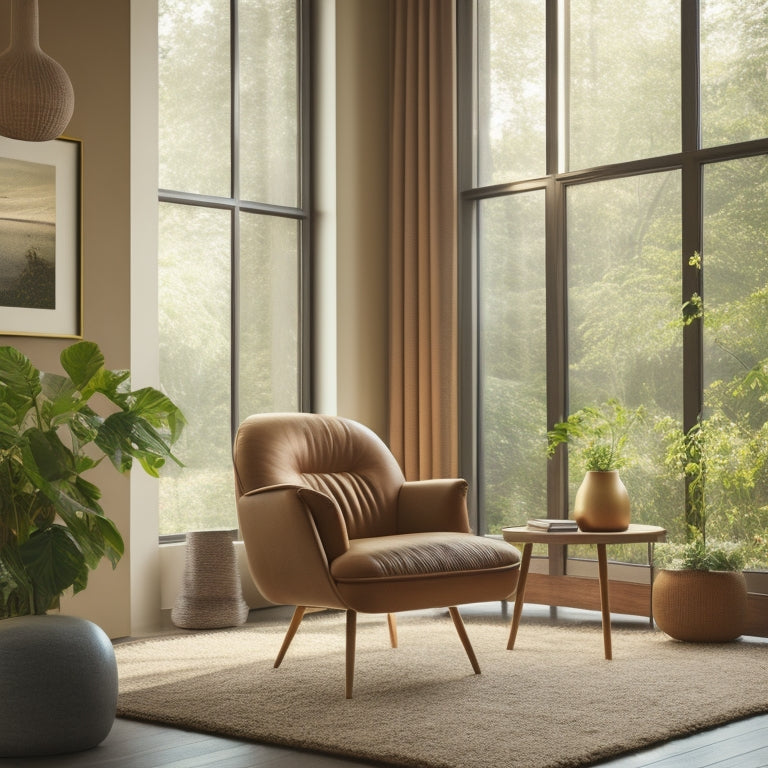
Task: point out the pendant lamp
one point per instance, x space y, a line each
36 96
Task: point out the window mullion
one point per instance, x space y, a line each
305 400
559 61
554 88
557 354
235 220
690 90
692 205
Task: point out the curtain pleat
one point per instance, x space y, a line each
423 253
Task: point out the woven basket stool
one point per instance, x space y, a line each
211 595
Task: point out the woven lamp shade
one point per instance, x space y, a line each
36 96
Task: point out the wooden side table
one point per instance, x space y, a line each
523 535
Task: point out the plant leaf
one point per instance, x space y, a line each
15 587
53 562
19 383
52 458
159 410
125 435
82 361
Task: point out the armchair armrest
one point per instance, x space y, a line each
286 555
433 505
328 521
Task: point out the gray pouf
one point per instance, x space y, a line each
58 685
211 596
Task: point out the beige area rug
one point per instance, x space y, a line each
553 701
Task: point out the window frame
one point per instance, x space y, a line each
690 162
236 205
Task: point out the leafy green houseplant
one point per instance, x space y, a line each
700 593
598 434
53 530
722 458
692 452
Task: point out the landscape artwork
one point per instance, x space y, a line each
40 238
27 234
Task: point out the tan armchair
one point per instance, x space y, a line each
329 521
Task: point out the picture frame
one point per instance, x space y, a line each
41 260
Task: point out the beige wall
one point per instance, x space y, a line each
90 38
362 130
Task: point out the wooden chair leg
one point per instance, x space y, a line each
459 624
298 615
351 633
392 622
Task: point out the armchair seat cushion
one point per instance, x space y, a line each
414 555
384 574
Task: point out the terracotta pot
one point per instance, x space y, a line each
602 503
700 606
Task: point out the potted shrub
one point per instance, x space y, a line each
599 438
58 672
699 592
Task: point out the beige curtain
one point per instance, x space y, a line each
423 278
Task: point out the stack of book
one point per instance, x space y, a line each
552 524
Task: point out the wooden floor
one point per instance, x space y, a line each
743 744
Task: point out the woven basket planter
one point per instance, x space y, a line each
211 595
700 606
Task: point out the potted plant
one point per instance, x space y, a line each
599 436
699 592
53 531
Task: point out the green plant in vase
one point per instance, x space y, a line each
53 530
699 592
690 454
597 434
598 437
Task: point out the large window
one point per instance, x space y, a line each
233 233
613 163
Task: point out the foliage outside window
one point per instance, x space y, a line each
587 203
233 204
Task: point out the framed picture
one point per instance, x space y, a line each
41 238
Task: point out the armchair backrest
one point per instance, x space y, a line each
330 454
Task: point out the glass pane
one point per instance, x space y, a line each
194 96
624 337
734 60
194 301
736 348
512 386
269 146
623 81
269 315
511 90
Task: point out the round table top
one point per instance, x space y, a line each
634 534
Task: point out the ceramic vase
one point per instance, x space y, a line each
602 503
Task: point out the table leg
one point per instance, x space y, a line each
519 595
605 605
650 568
